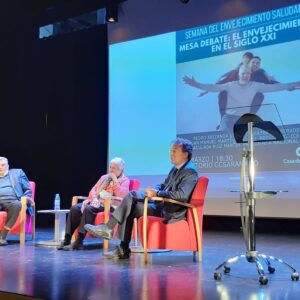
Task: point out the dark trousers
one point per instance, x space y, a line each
132 206
76 218
12 207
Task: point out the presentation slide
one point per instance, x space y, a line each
196 83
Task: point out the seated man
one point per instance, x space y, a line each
115 183
14 184
178 185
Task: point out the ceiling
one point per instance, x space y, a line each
44 12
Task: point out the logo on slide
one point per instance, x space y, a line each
298 151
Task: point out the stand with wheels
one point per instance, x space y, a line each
248 197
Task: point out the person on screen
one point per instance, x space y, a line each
240 94
259 75
115 183
232 75
178 185
14 184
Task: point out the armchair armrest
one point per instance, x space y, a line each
76 198
169 200
116 198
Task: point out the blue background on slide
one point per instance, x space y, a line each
142 109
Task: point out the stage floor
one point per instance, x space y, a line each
46 273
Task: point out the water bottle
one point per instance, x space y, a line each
57 202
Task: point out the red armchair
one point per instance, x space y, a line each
184 235
25 223
103 217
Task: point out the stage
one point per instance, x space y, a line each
45 273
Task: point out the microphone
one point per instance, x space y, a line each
108 180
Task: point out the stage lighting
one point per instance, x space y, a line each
184 1
112 13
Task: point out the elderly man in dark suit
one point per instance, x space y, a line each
178 185
14 184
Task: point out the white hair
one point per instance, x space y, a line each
244 68
119 162
4 158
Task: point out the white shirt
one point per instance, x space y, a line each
239 95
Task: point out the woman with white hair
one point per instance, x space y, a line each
115 183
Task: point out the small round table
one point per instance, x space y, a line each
59 226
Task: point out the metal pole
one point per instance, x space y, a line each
251 198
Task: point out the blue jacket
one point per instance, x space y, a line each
20 184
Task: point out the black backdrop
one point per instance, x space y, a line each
54 110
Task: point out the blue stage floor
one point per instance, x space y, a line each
46 273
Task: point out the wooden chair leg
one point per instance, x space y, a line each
198 234
33 227
145 231
105 245
23 219
135 233
106 218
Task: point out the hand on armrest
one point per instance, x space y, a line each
29 201
84 204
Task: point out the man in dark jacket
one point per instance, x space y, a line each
178 185
14 184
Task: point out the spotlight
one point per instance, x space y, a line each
184 1
112 13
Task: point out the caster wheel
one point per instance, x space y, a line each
271 269
217 275
295 276
227 270
263 280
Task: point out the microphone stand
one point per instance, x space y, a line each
248 197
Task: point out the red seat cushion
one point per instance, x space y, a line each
174 236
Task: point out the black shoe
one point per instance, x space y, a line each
62 245
3 242
101 231
118 253
73 246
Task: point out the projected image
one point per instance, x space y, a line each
259 79
241 91
248 61
223 74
